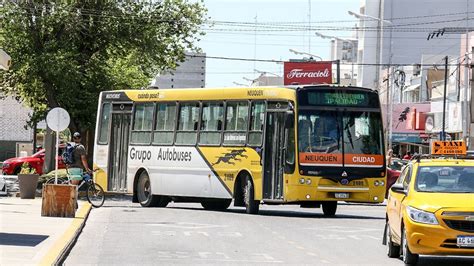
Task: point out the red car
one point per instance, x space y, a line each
12 166
393 172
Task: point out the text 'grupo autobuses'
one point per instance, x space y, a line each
163 155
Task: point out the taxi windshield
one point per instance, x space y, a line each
446 179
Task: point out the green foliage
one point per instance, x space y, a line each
26 169
65 53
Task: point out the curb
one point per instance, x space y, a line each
58 252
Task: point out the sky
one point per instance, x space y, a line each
281 25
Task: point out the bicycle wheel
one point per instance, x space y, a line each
95 195
60 181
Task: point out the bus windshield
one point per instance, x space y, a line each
329 137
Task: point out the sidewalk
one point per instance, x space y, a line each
28 238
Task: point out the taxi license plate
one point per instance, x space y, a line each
465 241
341 195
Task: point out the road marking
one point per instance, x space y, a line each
291 242
299 247
197 233
311 254
215 256
346 237
325 261
186 225
343 229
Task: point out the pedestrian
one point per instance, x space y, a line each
407 156
389 157
79 164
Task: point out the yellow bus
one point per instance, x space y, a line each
307 145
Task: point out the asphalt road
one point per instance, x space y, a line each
124 233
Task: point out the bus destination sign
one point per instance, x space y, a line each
338 98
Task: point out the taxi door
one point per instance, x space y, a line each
394 203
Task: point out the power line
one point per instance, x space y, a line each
282 61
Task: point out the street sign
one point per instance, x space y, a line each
448 148
313 72
58 119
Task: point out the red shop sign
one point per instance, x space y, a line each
308 72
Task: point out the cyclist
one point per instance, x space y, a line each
79 164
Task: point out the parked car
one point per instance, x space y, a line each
393 172
12 166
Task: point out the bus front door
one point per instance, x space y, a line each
117 172
273 160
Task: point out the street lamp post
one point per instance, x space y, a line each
378 60
240 84
343 40
379 41
308 54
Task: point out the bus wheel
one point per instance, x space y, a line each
218 205
251 205
144 195
329 208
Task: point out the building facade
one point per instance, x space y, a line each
13 135
189 74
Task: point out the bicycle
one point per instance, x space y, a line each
94 192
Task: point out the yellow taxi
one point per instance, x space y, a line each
430 210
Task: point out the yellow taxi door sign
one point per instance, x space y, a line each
449 147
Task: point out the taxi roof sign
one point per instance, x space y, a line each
455 147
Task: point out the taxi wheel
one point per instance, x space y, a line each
408 257
392 250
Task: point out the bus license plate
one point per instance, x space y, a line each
341 195
465 241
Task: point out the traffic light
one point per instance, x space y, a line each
5 60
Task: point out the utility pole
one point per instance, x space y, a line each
465 117
443 132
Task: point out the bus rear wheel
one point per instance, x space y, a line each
329 208
251 205
217 205
144 194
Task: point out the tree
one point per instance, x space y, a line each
65 53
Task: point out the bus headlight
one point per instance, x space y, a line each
376 183
420 216
382 183
308 181
302 181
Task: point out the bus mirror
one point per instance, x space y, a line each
289 119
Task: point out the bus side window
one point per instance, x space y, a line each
104 124
236 123
142 123
211 123
187 123
256 123
165 123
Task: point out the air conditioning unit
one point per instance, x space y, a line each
416 69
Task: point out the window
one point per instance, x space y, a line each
104 124
236 123
188 120
142 123
257 116
165 123
212 120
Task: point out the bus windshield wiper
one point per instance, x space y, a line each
348 132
